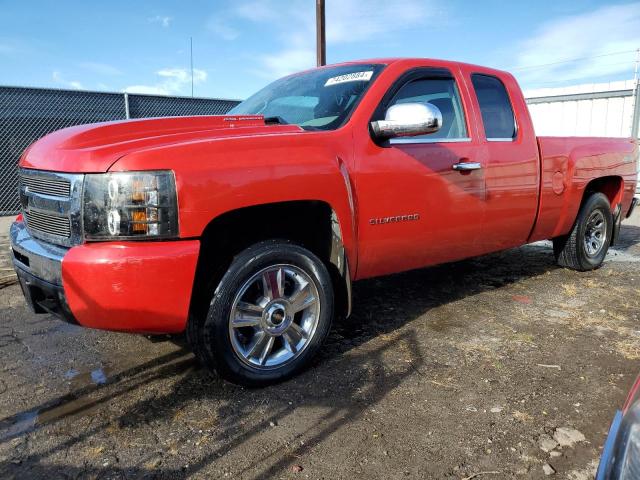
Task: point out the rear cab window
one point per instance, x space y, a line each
495 107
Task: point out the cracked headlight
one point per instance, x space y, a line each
130 205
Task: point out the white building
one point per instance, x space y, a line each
596 109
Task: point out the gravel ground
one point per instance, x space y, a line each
458 371
7 275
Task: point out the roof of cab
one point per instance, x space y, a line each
412 60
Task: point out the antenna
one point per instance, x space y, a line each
191 49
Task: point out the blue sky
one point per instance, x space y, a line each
239 46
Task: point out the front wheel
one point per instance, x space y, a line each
587 244
269 315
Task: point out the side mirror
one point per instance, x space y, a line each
408 120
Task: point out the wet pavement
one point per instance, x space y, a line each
444 372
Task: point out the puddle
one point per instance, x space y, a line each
22 423
25 422
86 397
70 408
79 379
98 377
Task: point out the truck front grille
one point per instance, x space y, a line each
44 222
47 185
51 205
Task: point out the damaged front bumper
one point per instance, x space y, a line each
141 287
38 266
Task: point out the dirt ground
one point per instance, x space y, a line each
448 372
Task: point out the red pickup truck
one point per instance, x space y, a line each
245 231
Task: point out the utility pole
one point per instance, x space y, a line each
191 51
321 39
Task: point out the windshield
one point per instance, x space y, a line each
317 99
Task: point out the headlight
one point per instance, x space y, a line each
130 205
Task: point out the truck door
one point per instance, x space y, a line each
512 166
415 207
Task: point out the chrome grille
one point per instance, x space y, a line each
45 222
47 186
51 205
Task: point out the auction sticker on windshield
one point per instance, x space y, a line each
350 77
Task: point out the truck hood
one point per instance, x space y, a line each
96 147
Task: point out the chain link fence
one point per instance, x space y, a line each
27 114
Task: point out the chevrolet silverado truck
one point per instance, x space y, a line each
246 231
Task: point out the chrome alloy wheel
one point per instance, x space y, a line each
595 233
274 316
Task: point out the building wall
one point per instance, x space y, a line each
604 109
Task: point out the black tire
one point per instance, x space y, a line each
215 349
570 250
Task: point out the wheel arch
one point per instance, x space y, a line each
611 186
312 224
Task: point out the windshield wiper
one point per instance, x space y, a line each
275 121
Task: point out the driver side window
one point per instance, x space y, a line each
443 93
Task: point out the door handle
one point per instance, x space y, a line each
467 166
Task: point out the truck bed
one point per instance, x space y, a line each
568 165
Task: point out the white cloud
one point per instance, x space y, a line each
58 78
357 21
590 37
147 90
163 20
286 62
172 81
263 11
101 68
348 21
221 27
181 75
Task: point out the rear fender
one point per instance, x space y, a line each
572 168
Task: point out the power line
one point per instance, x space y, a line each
567 80
573 60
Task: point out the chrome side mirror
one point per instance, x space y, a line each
407 120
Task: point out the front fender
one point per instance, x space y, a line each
219 176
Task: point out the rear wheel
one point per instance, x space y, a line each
586 246
269 315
